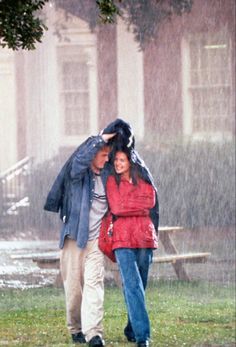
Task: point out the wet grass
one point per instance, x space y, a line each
181 314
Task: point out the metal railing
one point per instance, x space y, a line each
14 188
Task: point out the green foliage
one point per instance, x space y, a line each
142 17
108 10
196 183
181 314
181 6
20 27
42 178
145 17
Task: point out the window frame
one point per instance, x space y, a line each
76 42
188 88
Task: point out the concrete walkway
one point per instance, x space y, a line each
17 269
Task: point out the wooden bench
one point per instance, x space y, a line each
51 261
184 258
172 256
45 260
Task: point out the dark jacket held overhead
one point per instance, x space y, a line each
71 193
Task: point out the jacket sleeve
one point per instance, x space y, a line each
136 202
84 156
74 167
154 214
55 196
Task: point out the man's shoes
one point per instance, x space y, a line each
143 344
78 338
96 341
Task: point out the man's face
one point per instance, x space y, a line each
100 159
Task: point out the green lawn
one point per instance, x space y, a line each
181 314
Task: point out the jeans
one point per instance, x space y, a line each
134 265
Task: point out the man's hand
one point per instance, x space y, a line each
107 137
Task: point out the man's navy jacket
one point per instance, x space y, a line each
71 193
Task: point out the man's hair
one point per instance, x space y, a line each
106 145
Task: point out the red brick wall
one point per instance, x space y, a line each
162 61
107 74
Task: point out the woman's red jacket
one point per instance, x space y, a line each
131 204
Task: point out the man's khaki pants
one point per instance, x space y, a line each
82 273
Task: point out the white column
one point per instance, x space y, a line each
43 116
130 80
8 121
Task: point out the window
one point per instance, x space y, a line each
207 85
74 93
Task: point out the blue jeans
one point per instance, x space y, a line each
134 265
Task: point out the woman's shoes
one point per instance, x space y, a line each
143 344
131 339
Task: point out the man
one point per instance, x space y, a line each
79 193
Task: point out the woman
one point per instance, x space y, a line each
130 199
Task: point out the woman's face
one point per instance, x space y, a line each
122 164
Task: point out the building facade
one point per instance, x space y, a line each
182 86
